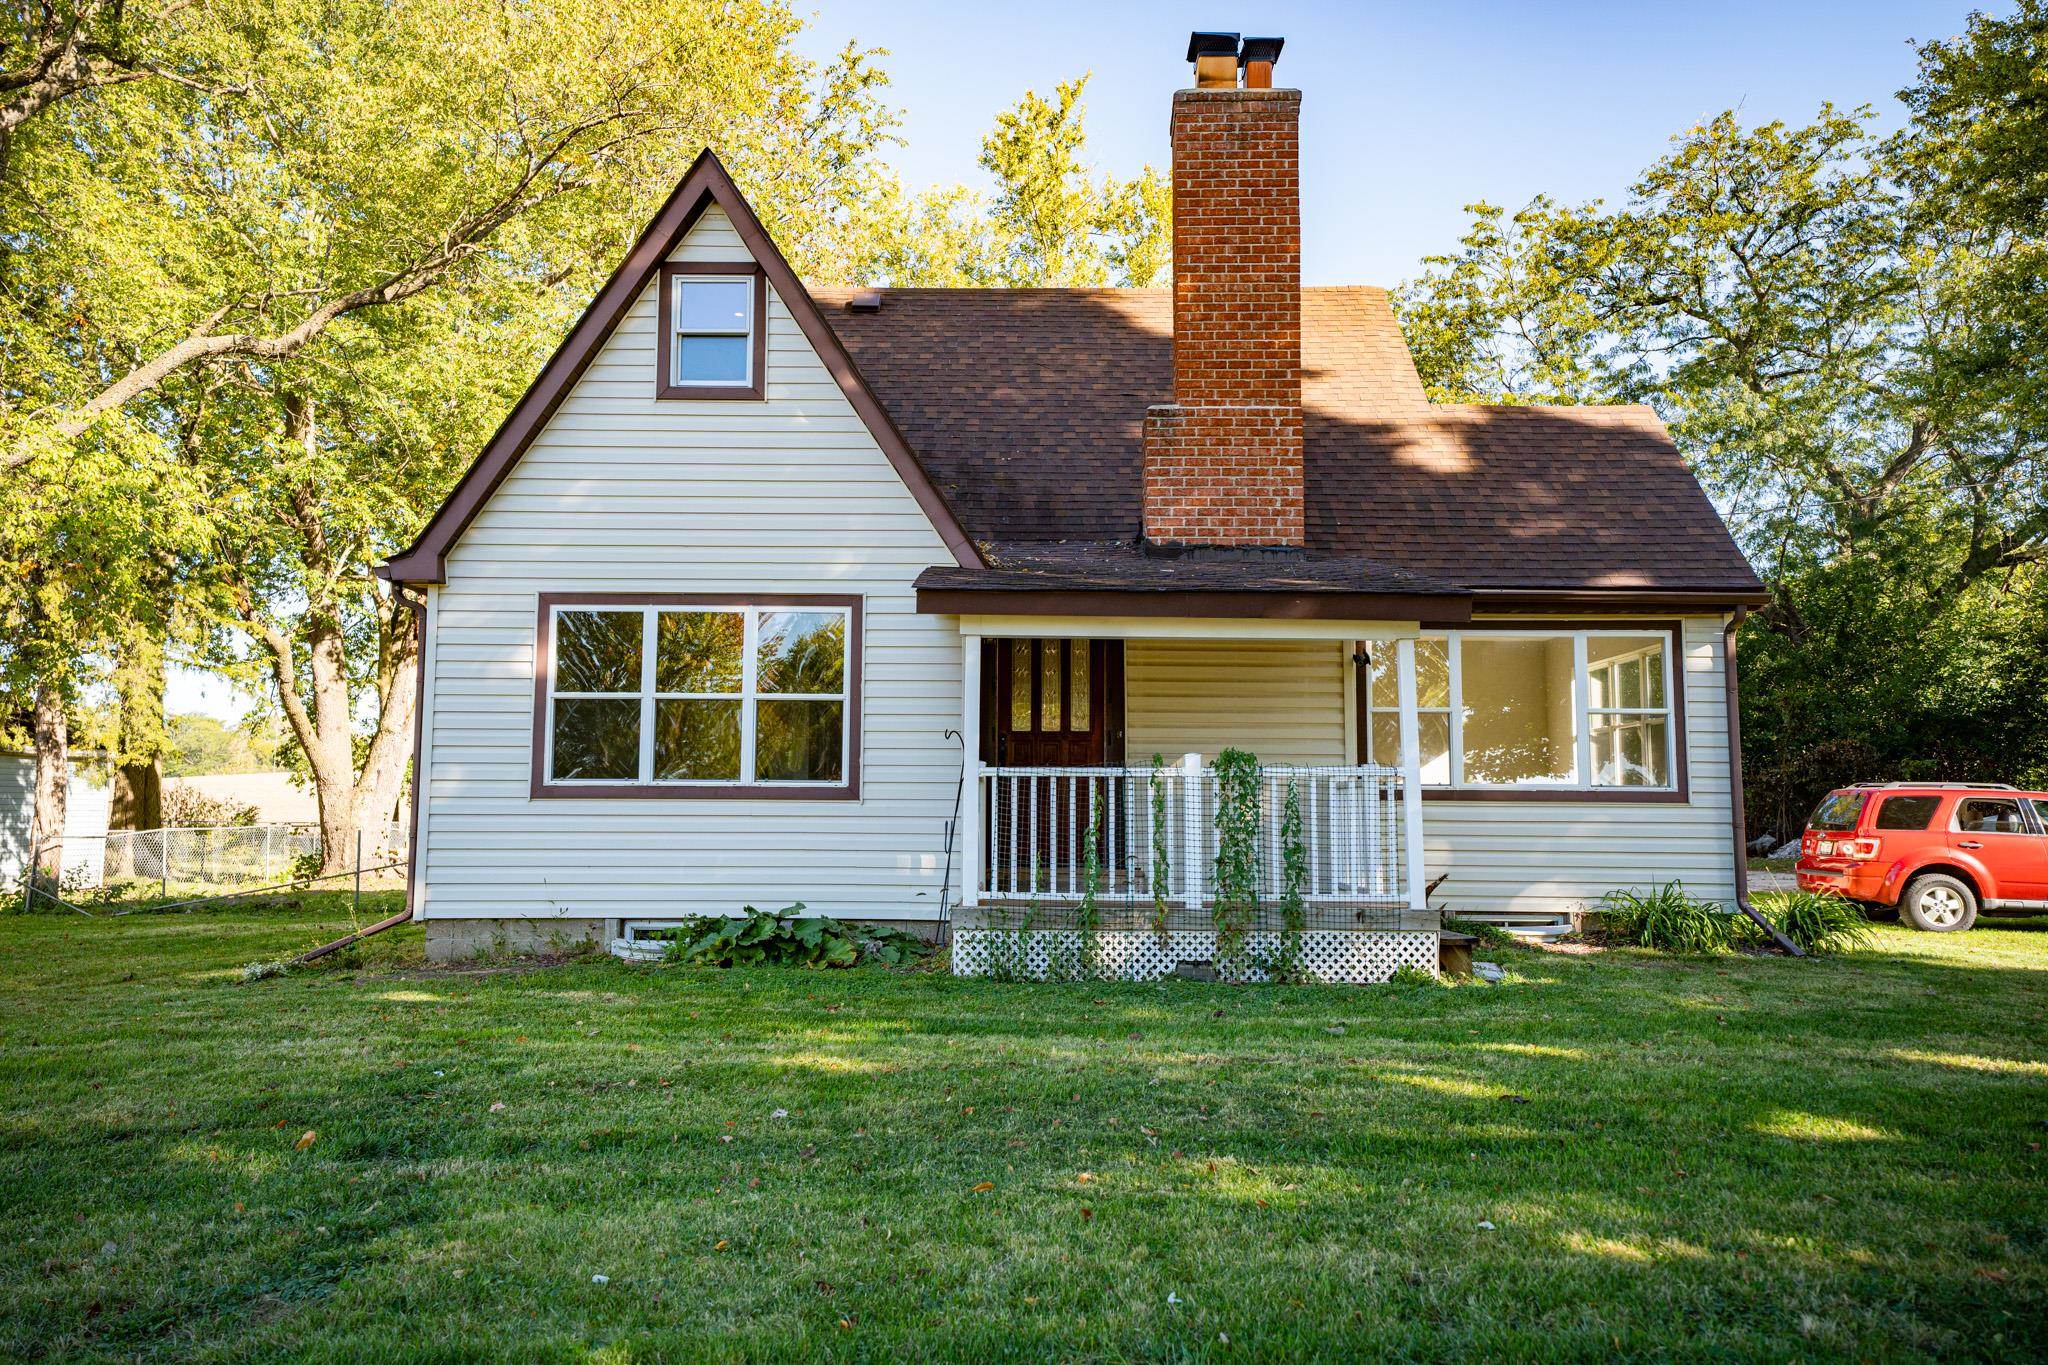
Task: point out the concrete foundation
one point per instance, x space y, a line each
458 940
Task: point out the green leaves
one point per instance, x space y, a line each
788 937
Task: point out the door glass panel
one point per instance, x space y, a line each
1996 815
1020 685
1080 704
1048 685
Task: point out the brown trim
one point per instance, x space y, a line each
1679 794
419 751
1446 609
706 183
665 332
540 788
1703 601
1738 818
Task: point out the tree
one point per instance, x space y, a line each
1048 224
308 287
1809 322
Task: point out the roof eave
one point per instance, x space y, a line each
1427 608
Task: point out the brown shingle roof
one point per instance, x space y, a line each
1025 408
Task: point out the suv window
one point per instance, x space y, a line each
1907 812
1991 815
1837 812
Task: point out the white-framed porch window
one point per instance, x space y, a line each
702 695
1533 709
712 344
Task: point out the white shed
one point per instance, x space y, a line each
85 819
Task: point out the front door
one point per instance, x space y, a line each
1054 703
1048 704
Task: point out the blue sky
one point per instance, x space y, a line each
1409 110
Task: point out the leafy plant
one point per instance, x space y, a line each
1667 917
1162 844
1818 921
1490 935
1287 963
1408 974
1088 915
1237 854
788 937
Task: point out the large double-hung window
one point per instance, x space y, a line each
1526 710
680 697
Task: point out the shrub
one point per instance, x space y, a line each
788 937
1487 935
1818 921
1667 917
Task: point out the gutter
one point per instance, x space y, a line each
1738 822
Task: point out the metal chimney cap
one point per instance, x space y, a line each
1260 50
1202 44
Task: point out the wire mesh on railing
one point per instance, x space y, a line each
1147 840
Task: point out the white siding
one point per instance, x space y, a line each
626 493
85 820
1554 857
1281 700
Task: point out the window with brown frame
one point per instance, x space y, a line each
689 695
712 339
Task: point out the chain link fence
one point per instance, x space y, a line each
203 861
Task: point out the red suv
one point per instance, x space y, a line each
1939 851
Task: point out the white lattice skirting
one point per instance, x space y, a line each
1348 957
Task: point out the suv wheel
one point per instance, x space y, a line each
1938 903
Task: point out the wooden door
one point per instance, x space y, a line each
1052 703
1049 704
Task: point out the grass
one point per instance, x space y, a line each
1612 1153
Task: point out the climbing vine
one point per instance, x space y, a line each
1162 859
1088 917
1237 856
1287 963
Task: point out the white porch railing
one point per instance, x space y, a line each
1156 836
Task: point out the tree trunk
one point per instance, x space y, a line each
53 779
138 799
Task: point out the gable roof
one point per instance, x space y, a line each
1027 408
707 183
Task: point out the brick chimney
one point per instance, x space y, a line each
1223 460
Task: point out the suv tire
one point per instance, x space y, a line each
1938 903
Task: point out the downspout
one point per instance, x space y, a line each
1739 824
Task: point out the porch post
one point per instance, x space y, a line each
1411 773
970 769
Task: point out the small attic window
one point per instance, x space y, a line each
712 342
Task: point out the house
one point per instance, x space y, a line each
706 623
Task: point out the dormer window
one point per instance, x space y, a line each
712 341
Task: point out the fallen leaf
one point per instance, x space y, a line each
720 1245
307 1141
1086 1213
983 1188
1085 1177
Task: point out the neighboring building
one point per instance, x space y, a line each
85 819
277 798
705 621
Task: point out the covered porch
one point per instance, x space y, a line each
1093 798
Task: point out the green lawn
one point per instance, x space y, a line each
1620 1152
